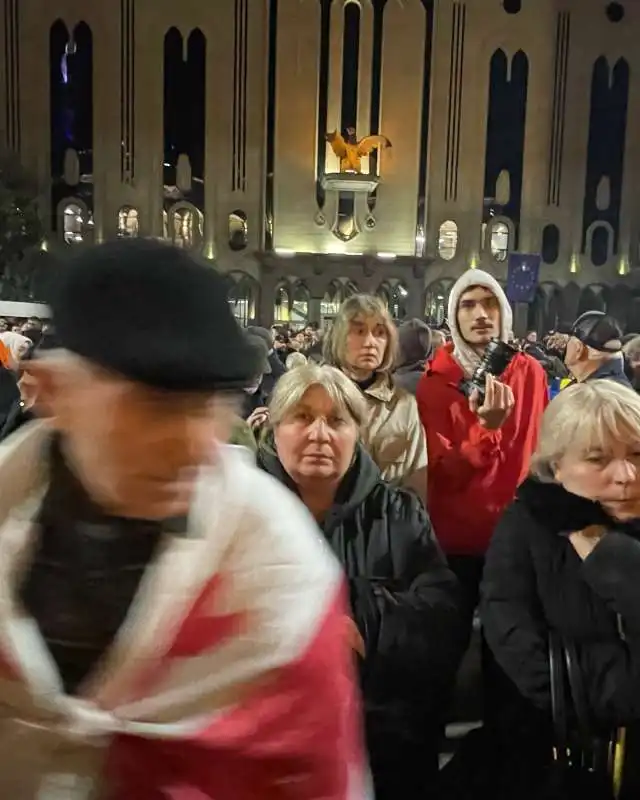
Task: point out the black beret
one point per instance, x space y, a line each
152 313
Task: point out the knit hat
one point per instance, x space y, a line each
153 314
263 333
259 345
464 354
414 338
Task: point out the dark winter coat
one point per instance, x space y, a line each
534 583
406 605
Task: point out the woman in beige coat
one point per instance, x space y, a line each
363 343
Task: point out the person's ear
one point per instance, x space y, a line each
44 387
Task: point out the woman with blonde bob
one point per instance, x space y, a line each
405 623
565 559
363 344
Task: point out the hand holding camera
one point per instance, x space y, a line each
494 408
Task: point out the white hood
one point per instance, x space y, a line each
462 352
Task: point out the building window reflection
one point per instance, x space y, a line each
183 225
384 293
448 240
332 300
499 240
242 299
398 307
281 308
238 231
128 222
300 305
436 302
75 221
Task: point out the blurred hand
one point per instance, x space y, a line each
498 403
353 637
258 417
584 542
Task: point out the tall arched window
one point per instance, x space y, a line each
350 289
600 244
436 302
332 300
128 222
282 304
499 240
238 231
300 304
242 298
448 240
397 301
74 223
384 292
185 227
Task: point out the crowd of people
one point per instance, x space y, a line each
249 564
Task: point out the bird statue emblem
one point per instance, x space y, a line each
350 151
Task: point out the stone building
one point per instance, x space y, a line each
514 124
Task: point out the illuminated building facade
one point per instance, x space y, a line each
514 125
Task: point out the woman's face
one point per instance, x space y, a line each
610 476
367 342
316 440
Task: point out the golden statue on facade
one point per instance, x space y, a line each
350 151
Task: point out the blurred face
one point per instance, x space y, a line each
316 441
136 450
367 342
254 385
22 348
478 316
4 325
532 337
610 476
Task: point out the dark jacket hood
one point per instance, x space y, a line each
361 478
560 511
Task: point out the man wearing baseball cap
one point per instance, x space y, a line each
594 350
170 623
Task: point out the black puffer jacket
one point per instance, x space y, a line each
535 582
406 605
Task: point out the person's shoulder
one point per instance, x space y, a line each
396 503
402 398
520 529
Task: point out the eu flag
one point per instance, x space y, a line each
522 277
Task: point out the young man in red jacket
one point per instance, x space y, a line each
479 448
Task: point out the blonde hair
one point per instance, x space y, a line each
632 349
365 306
293 385
295 360
584 417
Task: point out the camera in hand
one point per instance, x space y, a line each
496 358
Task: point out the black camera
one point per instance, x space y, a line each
496 358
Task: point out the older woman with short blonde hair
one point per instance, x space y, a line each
363 344
406 625
565 561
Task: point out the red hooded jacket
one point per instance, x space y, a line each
474 472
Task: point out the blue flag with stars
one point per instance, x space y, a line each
522 277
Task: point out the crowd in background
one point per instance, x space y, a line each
475 512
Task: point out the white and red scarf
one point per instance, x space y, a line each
229 680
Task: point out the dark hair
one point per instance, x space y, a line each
35 334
